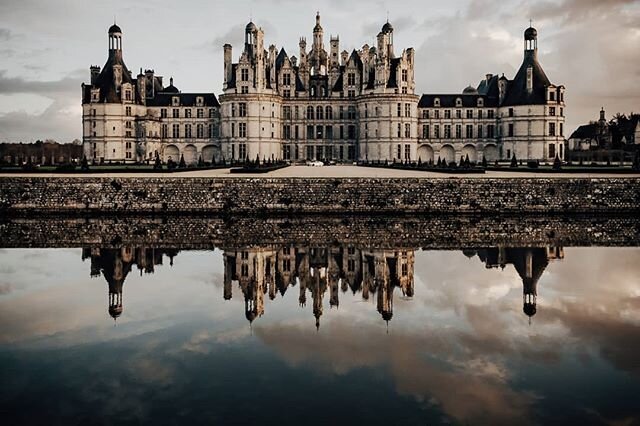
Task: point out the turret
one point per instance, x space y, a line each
115 41
318 34
531 42
250 42
335 52
95 72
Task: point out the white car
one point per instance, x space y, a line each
315 163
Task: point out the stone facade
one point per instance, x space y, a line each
319 195
322 105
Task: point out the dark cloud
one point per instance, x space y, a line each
66 85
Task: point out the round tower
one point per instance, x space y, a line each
115 41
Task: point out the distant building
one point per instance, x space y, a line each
323 104
620 133
45 153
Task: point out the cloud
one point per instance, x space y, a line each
5 34
53 89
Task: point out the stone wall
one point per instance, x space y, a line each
234 196
381 232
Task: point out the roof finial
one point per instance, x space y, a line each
387 16
530 23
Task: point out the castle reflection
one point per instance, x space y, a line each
316 270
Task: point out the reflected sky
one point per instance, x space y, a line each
458 347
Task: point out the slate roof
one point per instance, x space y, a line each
517 90
105 81
186 99
449 101
585 131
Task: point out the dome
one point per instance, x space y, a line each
530 34
387 315
387 28
251 27
529 309
115 311
470 90
171 88
114 29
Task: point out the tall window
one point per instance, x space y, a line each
399 130
286 112
405 75
425 113
244 74
425 131
309 132
399 110
490 113
319 112
319 132
242 130
447 131
407 130
242 109
242 151
187 130
212 112
510 129
200 131
479 130
447 114
200 113
176 130
510 112
128 111
310 112
163 113
552 129
351 79
329 113
351 113
458 131
469 113
469 131
407 110
458 113
407 152
436 131
286 79
491 131
187 113
164 131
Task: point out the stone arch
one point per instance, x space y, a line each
210 152
471 151
171 152
448 153
190 154
490 153
425 153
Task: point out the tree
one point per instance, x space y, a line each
467 163
200 161
484 162
157 164
514 161
419 161
182 164
557 164
85 164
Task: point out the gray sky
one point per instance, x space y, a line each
590 46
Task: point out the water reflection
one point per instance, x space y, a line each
262 271
318 330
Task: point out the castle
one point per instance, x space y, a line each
320 105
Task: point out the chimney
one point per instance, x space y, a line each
95 72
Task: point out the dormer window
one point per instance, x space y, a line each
480 102
552 96
127 95
436 102
458 102
286 79
95 95
175 101
244 74
199 101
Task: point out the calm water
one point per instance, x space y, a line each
320 335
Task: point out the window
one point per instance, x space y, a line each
176 113
469 113
286 93
469 131
200 131
552 129
436 114
407 130
200 113
407 110
127 124
187 113
244 74
399 130
128 111
286 132
351 132
425 131
319 112
436 131
447 131
319 132
329 132
490 113
552 150
458 113
458 102
244 90
341 132
436 102
510 112
480 102
552 96
212 131
309 112
399 152
561 129
309 132
447 114
399 113
163 113
405 75
341 112
164 131
458 131
242 130
127 95
351 113
479 130
286 112
480 114
425 113
351 94
510 129
242 151
233 130
561 112
407 152
286 79
242 109
212 112
329 113
187 130
176 130
552 111
351 79
490 131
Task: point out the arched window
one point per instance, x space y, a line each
436 102
458 102
319 113
480 102
329 114
313 92
310 112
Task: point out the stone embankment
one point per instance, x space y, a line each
243 195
